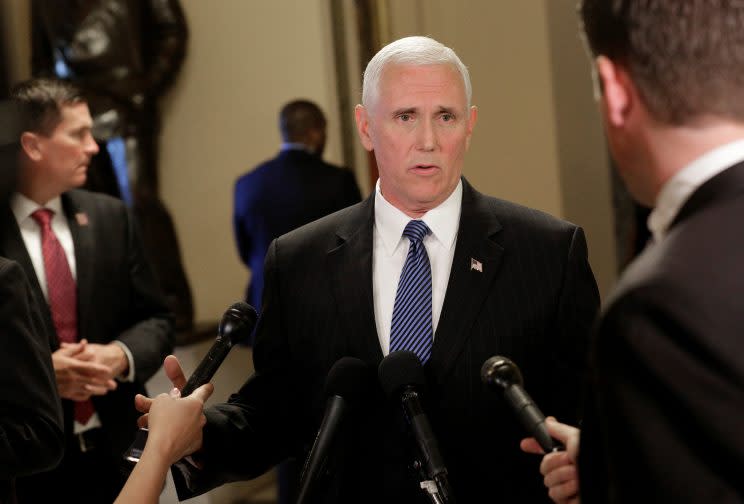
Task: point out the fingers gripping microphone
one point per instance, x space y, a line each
349 382
401 377
502 374
236 325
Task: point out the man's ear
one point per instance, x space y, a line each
31 145
618 91
362 122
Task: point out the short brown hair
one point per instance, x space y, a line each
685 56
42 100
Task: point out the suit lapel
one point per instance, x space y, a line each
468 286
13 247
350 267
78 221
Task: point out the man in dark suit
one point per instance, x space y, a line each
663 420
504 279
31 436
288 191
108 324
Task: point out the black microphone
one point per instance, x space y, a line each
503 375
402 376
236 325
348 384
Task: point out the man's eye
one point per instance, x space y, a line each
405 117
448 117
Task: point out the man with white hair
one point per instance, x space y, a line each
493 278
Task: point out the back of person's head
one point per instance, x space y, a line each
686 57
411 51
43 100
298 118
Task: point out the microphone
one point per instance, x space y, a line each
236 325
502 374
402 376
348 383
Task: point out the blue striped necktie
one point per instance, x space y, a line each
412 326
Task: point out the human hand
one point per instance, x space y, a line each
559 468
110 355
79 379
175 423
174 373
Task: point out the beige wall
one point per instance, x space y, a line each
245 59
582 155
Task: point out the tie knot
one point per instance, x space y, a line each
43 216
416 230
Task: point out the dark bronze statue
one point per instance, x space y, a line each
123 54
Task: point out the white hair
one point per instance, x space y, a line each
415 51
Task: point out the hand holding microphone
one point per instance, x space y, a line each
558 466
502 375
236 325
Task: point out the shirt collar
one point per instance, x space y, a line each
443 220
289 146
678 189
23 207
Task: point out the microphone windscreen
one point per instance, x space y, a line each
350 378
400 369
501 372
238 321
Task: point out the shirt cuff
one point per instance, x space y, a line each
129 377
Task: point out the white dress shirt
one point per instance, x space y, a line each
390 249
680 187
22 208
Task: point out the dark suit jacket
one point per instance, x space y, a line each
280 195
664 420
118 298
31 437
534 301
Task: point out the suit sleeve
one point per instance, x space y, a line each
258 426
150 336
242 237
31 426
668 391
578 306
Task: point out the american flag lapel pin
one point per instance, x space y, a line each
81 218
476 265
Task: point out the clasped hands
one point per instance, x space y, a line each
87 369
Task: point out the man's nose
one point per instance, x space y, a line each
91 146
427 139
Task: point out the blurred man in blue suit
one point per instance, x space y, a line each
288 191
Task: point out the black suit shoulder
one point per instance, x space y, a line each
669 375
